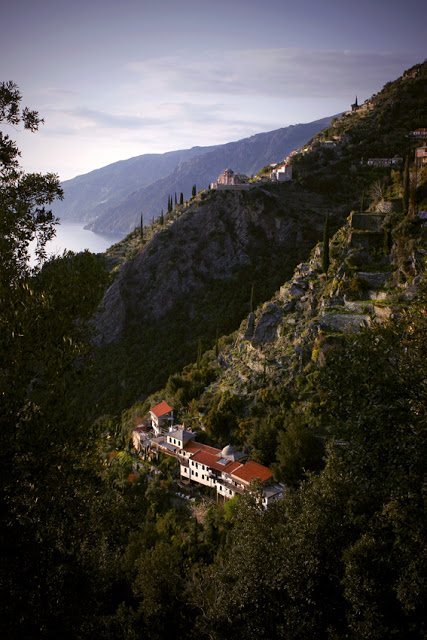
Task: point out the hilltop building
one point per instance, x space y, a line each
282 174
161 417
231 179
421 156
419 133
383 162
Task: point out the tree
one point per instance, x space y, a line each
325 252
141 228
24 216
199 353
406 185
194 191
299 451
53 497
181 198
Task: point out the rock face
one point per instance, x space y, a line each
267 327
344 322
220 242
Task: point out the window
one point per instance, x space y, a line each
203 477
196 474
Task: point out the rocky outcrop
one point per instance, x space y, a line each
344 322
308 318
266 329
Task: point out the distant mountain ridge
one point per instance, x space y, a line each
112 199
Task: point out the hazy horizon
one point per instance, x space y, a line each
118 81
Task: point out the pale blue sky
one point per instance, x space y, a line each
118 79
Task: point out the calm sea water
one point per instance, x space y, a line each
72 236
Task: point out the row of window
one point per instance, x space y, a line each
196 464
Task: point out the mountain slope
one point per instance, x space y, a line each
194 278
112 199
87 195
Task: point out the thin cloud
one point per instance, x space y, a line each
286 73
84 117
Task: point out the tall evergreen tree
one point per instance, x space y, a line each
162 219
406 186
325 252
199 353
194 191
141 228
181 198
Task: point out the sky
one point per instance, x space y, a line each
114 80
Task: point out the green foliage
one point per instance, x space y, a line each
299 451
406 185
223 417
262 441
358 286
325 246
24 216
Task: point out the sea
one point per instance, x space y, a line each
72 236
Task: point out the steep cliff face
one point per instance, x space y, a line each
197 265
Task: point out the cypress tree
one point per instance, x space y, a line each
325 252
199 353
387 240
181 198
141 228
176 202
406 186
194 191
162 219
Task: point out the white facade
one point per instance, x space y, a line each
282 174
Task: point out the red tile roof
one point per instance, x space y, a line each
194 447
212 461
233 466
252 470
160 409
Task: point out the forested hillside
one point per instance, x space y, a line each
266 323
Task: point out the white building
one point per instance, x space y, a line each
161 417
225 470
282 174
